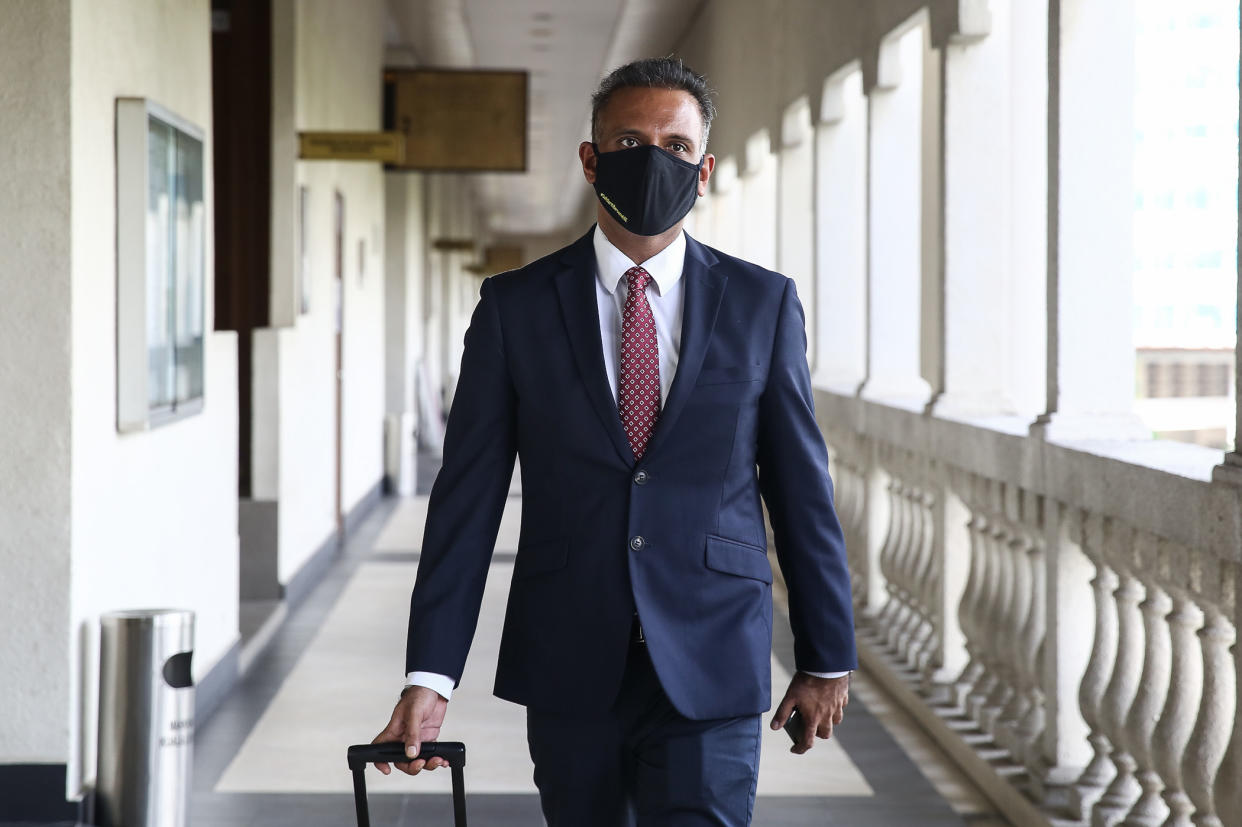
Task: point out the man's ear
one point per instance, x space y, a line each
705 172
586 154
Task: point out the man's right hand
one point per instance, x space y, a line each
417 717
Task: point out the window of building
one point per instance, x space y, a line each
1185 164
161 240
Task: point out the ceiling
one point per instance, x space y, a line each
567 46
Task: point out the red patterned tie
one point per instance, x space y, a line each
639 384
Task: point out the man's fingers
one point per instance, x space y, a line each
388 734
783 712
824 730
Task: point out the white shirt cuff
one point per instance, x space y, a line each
829 675
441 684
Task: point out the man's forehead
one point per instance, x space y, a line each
639 106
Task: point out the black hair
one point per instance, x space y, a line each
655 73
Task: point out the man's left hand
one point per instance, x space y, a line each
819 701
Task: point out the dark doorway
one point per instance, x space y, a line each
241 82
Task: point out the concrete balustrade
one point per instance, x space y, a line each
1142 729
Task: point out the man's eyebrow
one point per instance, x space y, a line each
685 139
626 130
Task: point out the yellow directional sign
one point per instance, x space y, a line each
386 147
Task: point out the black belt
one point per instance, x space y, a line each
636 633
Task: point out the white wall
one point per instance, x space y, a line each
34 381
154 514
338 57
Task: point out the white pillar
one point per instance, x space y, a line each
841 228
36 334
995 197
727 213
1091 125
796 224
1231 469
759 201
895 158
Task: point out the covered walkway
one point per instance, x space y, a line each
1013 229
273 754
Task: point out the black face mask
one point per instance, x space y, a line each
645 188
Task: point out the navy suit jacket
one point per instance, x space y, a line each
738 422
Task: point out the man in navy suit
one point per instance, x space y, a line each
654 389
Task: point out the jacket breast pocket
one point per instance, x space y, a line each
737 558
730 374
540 558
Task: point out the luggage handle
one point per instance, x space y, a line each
454 752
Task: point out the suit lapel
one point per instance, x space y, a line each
575 286
704 288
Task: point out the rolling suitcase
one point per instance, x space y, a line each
452 751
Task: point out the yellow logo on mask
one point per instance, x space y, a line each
608 201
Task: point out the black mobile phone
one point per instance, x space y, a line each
796 727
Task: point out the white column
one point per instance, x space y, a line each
1091 126
39 681
841 227
796 213
895 282
433 308
759 201
727 213
699 221
1231 469
995 197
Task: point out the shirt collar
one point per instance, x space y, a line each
664 267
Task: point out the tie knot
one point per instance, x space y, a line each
638 278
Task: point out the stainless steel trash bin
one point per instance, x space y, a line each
146 718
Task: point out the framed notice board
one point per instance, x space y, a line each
458 120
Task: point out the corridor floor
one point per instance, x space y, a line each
274 753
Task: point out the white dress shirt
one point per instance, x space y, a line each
666 295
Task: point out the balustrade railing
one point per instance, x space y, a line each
1113 702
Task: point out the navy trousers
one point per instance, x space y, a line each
642 764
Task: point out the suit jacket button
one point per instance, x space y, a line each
641 478
637 542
